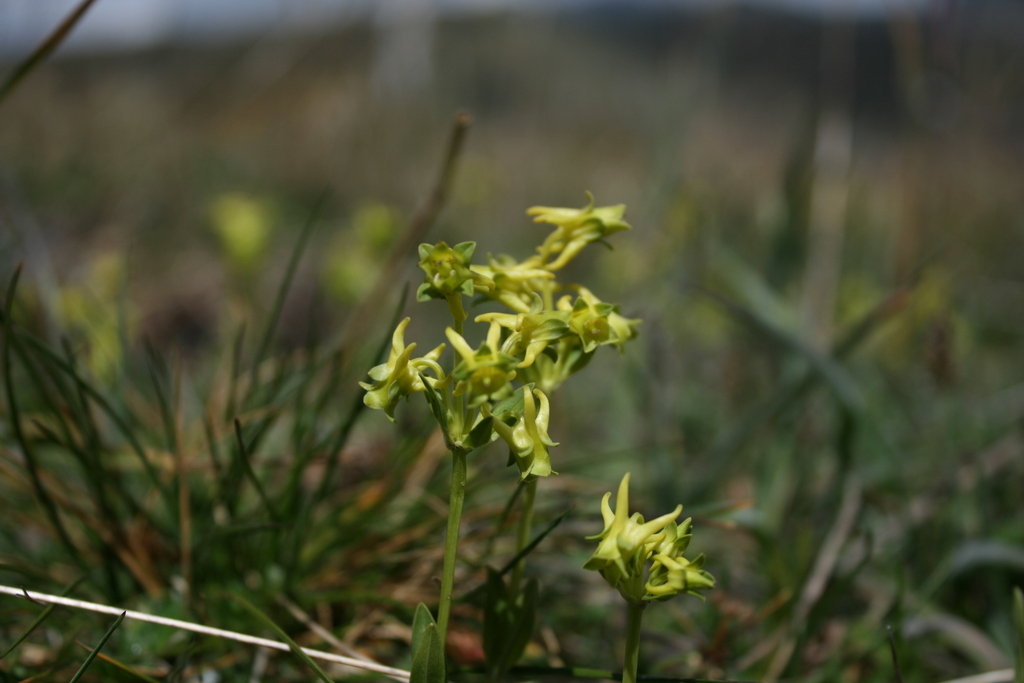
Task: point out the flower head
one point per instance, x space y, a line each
523 425
596 322
483 374
531 332
515 283
628 542
447 271
576 228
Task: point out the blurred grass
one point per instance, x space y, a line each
838 487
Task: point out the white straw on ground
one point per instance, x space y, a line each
44 598
1000 676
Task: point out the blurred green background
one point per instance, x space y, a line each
827 253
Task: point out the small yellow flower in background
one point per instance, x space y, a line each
400 375
92 309
354 255
243 225
627 543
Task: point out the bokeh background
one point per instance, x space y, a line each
827 201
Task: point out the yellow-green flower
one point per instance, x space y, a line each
597 322
531 333
400 375
576 229
484 374
628 542
527 437
624 535
515 283
672 575
447 271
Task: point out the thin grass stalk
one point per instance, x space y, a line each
120 665
286 282
535 542
451 539
31 464
523 532
119 421
95 650
243 456
44 49
258 613
156 369
231 405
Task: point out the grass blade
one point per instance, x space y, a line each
411 236
357 407
15 417
45 49
895 656
118 420
38 620
157 370
96 650
123 667
832 372
204 630
535 542
244 458
256 612
1018 623
286 283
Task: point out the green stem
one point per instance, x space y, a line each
636 613
523 533
458 318
451 541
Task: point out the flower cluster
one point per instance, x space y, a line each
628 543
550 332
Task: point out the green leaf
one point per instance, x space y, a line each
512 404
481 434
438 409
428 658
420 621
522 629
426 292
465 250
508 623
495 630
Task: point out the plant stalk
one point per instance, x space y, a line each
629 665
451 540
523 532
458 318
